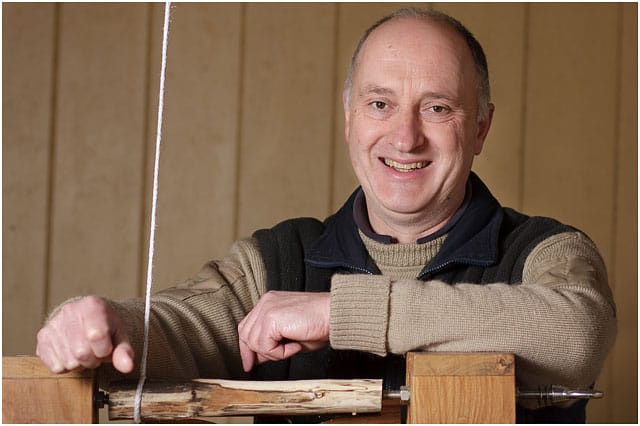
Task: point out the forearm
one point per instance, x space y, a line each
560 321
193 326
559 336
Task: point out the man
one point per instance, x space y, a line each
421 257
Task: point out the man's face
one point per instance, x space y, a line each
411 123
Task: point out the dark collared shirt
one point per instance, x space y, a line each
362 219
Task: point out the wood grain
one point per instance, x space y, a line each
32 394
207 398
568 164
27 82
462 399
99 146
461 388
461 364
287 102
621 402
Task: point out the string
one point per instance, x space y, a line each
152 228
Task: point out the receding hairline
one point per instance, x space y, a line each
425 21
446 22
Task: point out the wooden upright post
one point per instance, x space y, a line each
32 394
461 388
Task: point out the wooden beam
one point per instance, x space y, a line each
461 388
210 398
32 394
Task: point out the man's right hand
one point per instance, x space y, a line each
83 334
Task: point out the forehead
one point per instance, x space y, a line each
417 49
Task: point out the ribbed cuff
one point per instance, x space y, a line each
360 313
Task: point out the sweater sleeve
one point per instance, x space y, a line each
193 326
559 322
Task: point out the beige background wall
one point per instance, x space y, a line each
253 135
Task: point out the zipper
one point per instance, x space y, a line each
330 265
440 267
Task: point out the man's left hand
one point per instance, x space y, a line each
282 324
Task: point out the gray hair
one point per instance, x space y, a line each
479 58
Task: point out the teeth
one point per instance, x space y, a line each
405 167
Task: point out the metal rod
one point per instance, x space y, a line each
546 395
553 394
403 394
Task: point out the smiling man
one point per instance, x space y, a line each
414 119
420 257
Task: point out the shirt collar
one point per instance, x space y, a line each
362 219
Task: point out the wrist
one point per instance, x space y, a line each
359 313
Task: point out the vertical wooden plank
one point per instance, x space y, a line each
28 50
32 394
570 116
99 147
623 396
287 107
500 29
461 388
571 125
200 135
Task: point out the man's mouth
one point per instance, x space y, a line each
408 167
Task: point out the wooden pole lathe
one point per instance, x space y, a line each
444 388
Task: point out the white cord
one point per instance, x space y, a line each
152 229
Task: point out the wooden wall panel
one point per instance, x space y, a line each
27 79
198 156
570 116
623 395
98 150
500 27
287 113
570 125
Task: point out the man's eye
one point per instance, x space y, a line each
379 105
438 109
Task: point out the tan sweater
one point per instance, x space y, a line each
560 322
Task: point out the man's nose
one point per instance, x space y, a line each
408 132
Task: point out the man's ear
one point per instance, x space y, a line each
347 115
483 129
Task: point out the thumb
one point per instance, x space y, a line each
291 348
123 354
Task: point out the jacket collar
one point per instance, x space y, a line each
472 241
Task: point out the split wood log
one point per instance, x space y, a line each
214 398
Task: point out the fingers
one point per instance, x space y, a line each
60 346
48 353
252 356
257 345
283 324
123 358
123 354
83 334
248 357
